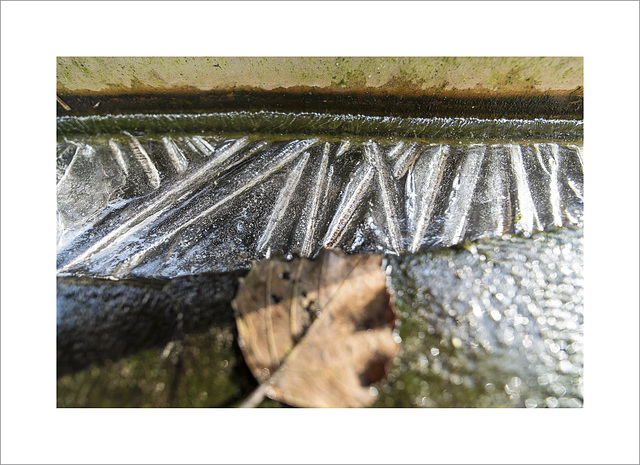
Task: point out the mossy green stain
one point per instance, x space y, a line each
197 371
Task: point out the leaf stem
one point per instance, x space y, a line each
255 397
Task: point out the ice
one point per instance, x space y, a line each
90 183
166 204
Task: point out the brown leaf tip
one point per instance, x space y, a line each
376 370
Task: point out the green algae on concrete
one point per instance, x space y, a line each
398 75
142 380
200 370
209 373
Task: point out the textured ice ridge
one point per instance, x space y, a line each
171 205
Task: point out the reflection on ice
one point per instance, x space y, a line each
171 205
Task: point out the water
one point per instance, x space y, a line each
315 123
493 322
496 323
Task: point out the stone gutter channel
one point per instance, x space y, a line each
164 203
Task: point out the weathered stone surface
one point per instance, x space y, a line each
399 75
198 370
100 320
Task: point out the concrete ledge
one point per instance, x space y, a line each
406 76
414 86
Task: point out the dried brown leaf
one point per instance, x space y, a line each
317 333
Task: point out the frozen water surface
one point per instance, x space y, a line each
165 204
493 322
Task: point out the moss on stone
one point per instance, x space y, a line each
400 75
200 370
